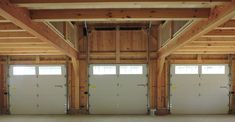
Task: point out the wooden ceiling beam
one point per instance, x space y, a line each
215 39
22 41
16 35
119 14
221 33
207 48
219 15
29 50
228 25
92 4
30 53
209 44
204 52
18 46
20 17
9 27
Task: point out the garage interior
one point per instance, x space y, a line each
117 60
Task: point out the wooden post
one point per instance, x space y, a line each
160 66
75 63
117 45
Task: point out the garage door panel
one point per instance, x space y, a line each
54 84
117 94
199 94
37 94
103 92
58 107
23 105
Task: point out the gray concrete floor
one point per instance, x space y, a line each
116 118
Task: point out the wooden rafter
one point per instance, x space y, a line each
219 15
85 4
20 17
119 14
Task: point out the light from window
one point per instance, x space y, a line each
186 69
104 70
213 69
24 70
134 70
50 70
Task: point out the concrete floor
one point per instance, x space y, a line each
116 118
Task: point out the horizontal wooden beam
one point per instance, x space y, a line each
216 39
9 27
203 61
221 33
219 15
22 41
16 35
207 48
228 25
204 52
21 18
31 53
18 46
210 44
86 4
119 14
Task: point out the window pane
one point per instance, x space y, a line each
186 69
24 70
131 69
50 70
104 70
213 69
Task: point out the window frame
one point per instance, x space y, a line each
186 73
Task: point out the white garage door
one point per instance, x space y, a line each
199 89
37 89
118 89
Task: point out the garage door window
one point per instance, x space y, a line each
213 69
131 70
24 70
187 69
50 70
104 70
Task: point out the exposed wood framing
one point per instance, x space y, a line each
40 30
221 33
9 27
219 15
228 25
81 4
75 63
117 45
119 14
160 67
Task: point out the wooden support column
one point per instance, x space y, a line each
117 45
75 64
160 80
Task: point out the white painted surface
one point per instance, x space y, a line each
38 94
118 94
199 93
